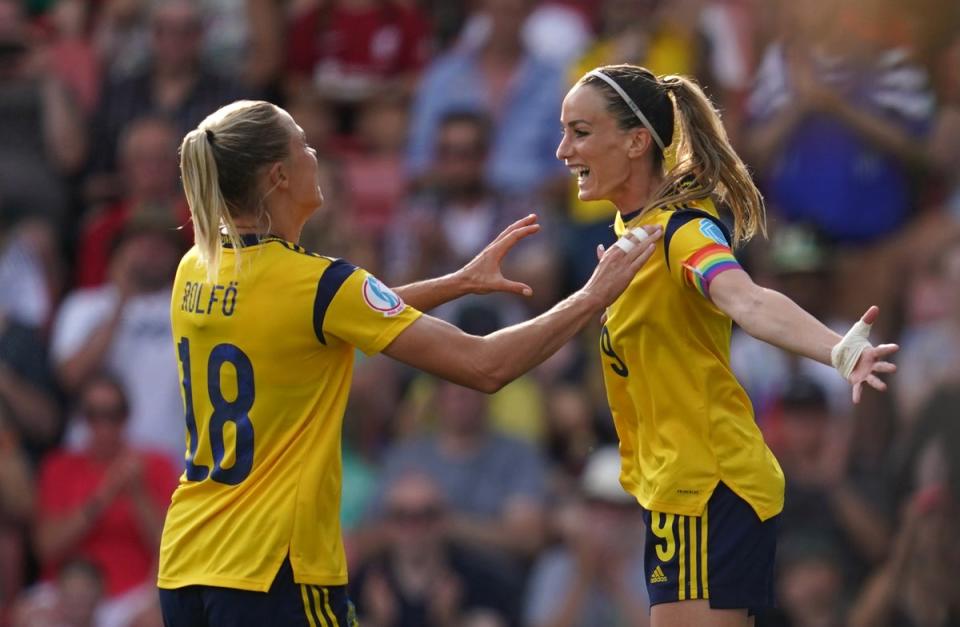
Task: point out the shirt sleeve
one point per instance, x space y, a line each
697 252
78 319
356 307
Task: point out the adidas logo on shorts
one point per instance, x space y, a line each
658 576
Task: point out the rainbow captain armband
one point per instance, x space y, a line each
706 264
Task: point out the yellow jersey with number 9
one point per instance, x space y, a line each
266 356
683 420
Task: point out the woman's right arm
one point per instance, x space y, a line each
490 362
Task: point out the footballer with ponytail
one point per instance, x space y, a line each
266 334
218 163
691 452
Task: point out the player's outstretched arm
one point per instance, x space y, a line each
490 362
481 276
772 317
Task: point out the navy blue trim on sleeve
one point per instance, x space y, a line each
327 287
683 216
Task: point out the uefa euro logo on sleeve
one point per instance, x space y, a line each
711 230
381 298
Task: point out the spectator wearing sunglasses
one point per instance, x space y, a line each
422 578
105 503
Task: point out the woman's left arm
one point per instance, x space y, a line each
481 276
772 317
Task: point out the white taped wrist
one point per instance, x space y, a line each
846 353
626 245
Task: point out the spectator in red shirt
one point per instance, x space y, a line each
105 503
351 49
373 173
148 159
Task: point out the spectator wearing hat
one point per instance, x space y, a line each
596 576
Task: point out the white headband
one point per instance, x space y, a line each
630 103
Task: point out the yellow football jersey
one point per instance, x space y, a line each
684 421
266 357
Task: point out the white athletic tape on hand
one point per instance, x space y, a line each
626 245
846 353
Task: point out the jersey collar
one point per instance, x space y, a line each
250 239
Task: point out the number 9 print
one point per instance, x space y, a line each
606 347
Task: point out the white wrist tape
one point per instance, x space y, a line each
626 245
845 354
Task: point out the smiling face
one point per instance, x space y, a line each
598 152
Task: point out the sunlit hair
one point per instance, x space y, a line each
220 161
705 163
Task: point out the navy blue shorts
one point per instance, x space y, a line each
286 604
725 556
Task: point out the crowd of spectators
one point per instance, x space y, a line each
436 123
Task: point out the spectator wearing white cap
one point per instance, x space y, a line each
596 576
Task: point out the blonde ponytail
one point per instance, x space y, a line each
208 208
706 164
219 163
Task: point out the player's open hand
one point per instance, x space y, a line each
620 263
873 361
483 274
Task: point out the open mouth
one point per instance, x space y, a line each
581 172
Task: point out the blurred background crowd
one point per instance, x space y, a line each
436 122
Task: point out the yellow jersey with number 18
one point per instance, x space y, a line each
266 356
684 421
